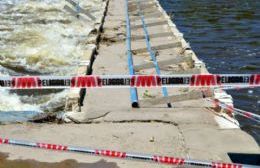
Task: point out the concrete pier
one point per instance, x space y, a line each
189 118
188 130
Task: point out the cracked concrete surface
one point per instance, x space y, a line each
130 137
198 134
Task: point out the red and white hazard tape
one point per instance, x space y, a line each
123 155
126 81
237 111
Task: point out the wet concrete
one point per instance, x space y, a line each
5 163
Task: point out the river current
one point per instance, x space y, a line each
40 37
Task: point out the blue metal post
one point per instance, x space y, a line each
152 54
133 91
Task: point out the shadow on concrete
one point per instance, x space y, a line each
4 163
244 158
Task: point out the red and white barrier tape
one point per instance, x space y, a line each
237 111
126 81
123 155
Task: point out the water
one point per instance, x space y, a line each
226 36
39 37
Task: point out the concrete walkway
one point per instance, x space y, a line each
192 124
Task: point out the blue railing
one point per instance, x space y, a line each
133 91
151 52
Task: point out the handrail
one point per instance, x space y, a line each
150 50
133 91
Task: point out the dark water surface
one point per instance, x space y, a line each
226 36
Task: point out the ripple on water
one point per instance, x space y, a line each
225 34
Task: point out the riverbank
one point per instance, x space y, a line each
187 130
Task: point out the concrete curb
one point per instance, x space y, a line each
74 99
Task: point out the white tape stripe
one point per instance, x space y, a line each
126 81
127 76
122 155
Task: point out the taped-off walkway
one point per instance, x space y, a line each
120 55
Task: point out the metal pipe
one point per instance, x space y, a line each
133 91
150 50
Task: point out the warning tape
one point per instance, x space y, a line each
237 111
130 81
123 155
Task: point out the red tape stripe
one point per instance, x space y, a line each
4 141
52 146
168 160
110 153
26 82
86 81
248 115
205 80
146 81
225 165
255 79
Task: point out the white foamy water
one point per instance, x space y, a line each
11 102
39 37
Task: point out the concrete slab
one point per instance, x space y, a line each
214 143
129 137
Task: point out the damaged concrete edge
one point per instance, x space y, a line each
219 94
125 117
186 46
75 97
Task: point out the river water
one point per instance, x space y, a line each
39 37
226 36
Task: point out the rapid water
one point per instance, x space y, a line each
226 36
39 37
